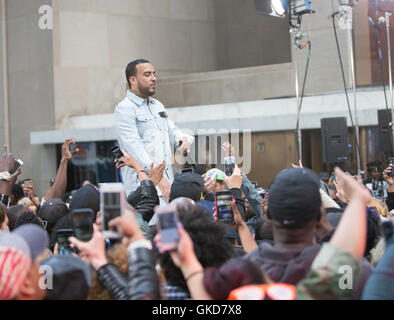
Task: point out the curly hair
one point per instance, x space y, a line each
210 244
118 256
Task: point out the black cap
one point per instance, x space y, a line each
71 278
51 211
188 185
294 197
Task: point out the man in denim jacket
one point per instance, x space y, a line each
143 128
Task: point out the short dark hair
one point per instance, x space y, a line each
131 69
3 213
28 217
13 214
209 239
17 193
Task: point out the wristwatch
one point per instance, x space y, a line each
5 175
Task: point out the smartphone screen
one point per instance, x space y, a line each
229 165
73 146
18 164
224 210
167 227
112 207
62 240
83 224
117 153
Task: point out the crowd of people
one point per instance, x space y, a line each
307 237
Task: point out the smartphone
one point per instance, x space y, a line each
224 211
187 170
112 198
178 147
19 163
27 182
391 161
167 221
117 153
72 147
62 236
83 223
212 175
229 165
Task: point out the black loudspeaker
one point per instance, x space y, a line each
334 140
385 133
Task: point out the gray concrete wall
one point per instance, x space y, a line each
245 38
30 89
2 134
94 41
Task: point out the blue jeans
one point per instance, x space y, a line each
380 285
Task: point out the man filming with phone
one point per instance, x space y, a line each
144 130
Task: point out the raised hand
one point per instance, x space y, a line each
156 173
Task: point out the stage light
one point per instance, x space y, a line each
274 8
279 8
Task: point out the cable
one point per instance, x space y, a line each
344 85
379 43
302 94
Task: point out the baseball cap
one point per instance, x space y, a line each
71 278
17 251
217 172
188 185
51 211
294 197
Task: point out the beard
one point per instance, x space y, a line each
146 91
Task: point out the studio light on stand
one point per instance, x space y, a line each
345 15
294 9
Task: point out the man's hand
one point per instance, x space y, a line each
352 189
128 226
238 220
183 147
156 173
94 249
165 188
235 180
8 162
129 161
29 190
66 154
209 184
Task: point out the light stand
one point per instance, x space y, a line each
296 10
345 13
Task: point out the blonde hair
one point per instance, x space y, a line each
25 201
326 201
380 206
